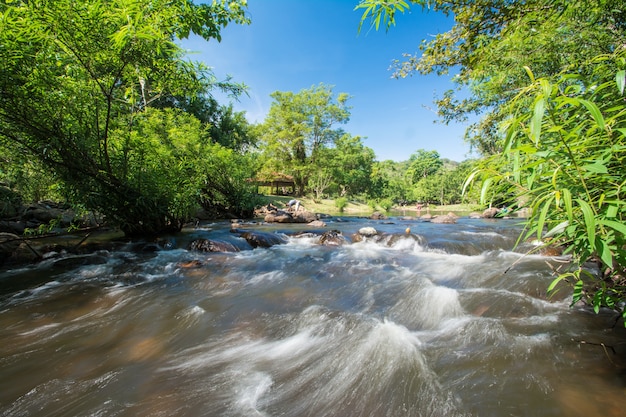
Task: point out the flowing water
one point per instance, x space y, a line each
450 320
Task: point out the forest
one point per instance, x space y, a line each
100 108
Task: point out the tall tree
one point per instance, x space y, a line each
298 127
423 164
76 79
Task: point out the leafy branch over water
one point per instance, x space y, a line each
564 155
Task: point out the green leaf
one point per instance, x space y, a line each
558 229
617 226
578 292
567 201
597 301
620 78
597 168
542 216
556 281
529 72
595 113
611 211
604 251
535 124
590 223
485 189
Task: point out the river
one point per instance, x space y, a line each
448 320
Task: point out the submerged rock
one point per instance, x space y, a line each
378 216
332 238
206 245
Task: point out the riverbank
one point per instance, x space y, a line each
353 207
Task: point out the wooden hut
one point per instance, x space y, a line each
279 183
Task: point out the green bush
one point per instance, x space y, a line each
341 203
386 204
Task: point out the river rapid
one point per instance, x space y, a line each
448 320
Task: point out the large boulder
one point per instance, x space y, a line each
9 226
9 243
490 213
263 240
278 216
282 216
377 215
444 219
304 217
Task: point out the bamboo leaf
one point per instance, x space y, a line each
590 223
535 123
542 216
617 226
595 113
558 229
597 168
529 72
620 78
597 300
578 292
604 251
485 189
567 201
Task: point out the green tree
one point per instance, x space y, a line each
491 41
351 163
445 186
423 164
225 126
78 79
298 128
390 182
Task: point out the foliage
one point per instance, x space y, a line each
565 155
226 189
389 181
490 42
299 130
341 203
225 126
78 80
425 177
422 164
386 204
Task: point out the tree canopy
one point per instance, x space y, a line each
82 90
490 43
298 128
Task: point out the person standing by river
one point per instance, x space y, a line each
292 203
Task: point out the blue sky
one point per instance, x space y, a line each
293 45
